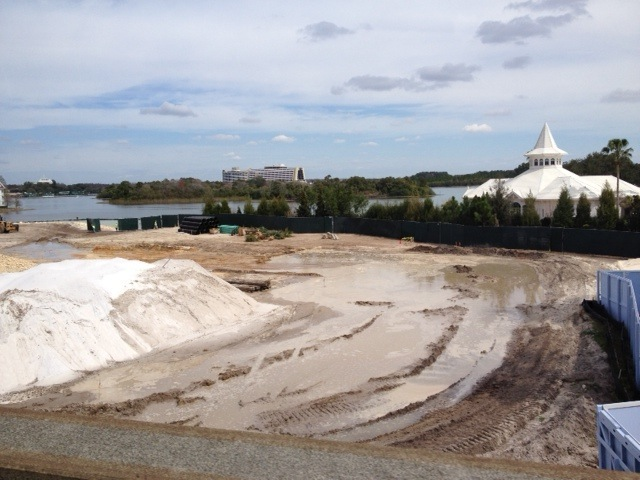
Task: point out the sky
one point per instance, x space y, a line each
106 91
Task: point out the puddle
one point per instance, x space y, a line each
43 251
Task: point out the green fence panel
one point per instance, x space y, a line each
169 221
93 224
127 224
148 223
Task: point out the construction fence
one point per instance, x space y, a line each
574 240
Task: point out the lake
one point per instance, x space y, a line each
40 209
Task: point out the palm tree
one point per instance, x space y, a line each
618 148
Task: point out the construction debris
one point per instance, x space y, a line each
330 236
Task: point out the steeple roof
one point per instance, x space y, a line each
545 145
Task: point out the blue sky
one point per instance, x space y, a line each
105 91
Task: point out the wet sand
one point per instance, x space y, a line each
470 351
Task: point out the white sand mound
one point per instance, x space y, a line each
58 320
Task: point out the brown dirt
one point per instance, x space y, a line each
539 405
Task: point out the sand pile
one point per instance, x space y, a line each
58 320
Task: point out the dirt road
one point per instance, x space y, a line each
536 401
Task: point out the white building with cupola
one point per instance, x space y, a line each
546 177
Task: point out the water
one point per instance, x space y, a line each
39 209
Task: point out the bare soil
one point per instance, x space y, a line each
537 405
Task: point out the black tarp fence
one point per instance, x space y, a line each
574 240
169 221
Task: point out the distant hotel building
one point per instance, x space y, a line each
269 173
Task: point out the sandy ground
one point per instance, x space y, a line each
475 351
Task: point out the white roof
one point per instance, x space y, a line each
545 182
545 145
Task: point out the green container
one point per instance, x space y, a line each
229 229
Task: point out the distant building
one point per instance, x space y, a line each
546 177
48 181
273 172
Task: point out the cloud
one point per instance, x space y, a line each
475 127
168 108
500 112
380 83
225 137
283 139
514 30
232 156
339 140
323 31
448 73
250 120
622 96
520 28
428 78
516 63
369 144
577 7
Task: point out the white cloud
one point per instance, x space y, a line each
168 108
232 156
339 140
369 144
622 96
323 31
225 137
283 139
475 127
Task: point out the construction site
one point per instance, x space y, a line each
434 353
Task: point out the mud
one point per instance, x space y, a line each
476 351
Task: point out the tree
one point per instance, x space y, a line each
633 217
583 212
607 213
563 213
249 209
263 207
476 211
500 203
450 211
304 209
618 148
530 217
279 207
224 206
